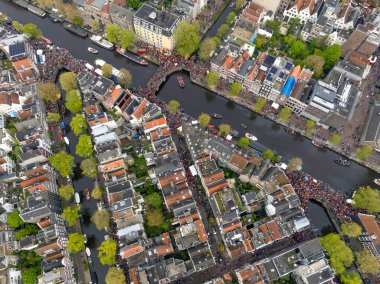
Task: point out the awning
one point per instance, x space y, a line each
193 171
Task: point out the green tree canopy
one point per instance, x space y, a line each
29 275
298 49
350 277
53 117
235 89
68 81
243 143
315 63
31 30
230 17
27 230
224 129
77 21
367 198
222 31
364 152
335 139
295 164
73 101
28 259
154 199
18 27
97 193
240 4
268 154
260 42
341 257
367 262
115 276
84 147
107 70
71 214
309 127
331 55
89 167
107 252
14 220
134 4
113 33
208 45
285 114
78 124
204 119
173 106
124 78
47 92
259 104
351 229
187 38
75 243
212 79
101 219
127 38
63 163
66 191
154 217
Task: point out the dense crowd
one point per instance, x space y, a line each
309 188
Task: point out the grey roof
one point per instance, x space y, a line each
321 276
99 3
372 131
123 204
167 163
118 186
229 216
312 250
200 256
109 155
250 197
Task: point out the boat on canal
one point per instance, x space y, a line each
377 181
342 162
87 193
251 136
234 133
290 130
75 29
53 19
243 125
98 40
77 198
133 57
216 115
92 50
181 81
36 11
46 40
316 144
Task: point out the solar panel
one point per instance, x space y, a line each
273 70
17 49
288 66
281 75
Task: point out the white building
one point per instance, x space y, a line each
14 276
303 10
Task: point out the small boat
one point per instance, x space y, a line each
289 130
46 40
88 252
234 133
316 144
53 19
243 125
66 140
211 126
92 50
75 29
101 42
251 137
129 55
77 197
216 115
180 81
87 193
377 181
342 162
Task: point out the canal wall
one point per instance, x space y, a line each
334 221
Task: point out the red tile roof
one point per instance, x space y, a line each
371 226
133 249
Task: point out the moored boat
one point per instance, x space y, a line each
216 115
92 50
251 136
342 162
180 81
101 42
37 11
87 193
377 181
135 58
243 125
234 133
289 130
316 144
46 40
75 29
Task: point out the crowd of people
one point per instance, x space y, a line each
309 188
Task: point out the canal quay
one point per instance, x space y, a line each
195 100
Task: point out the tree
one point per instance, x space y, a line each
14 220
322 42
107 70
260 42
367 262
78 124
53 117
315 63
268 154
310 127
63 163
235 89
101 219
154 217
187 38
364 152
124 78
239 4
27 230
107 252
221 248
335 139
285 114
89 167
29 275
97 193
351 229
350 277
95 25
84 147
222 31
113 33
75 243
230 17
127 38
68 81
66 191
47 92
295 164
31 30
71 214
173 106
331 55
154 199
212 79
3 18
77 21
243 143
260 103
18 27
208 45
134 4
115 276
298 49
367 198
73 101
339 253
224 129
204 119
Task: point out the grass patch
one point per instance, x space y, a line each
139 168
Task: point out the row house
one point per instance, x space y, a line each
37 184
303 10
121 16
10 103
190 9
98 10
